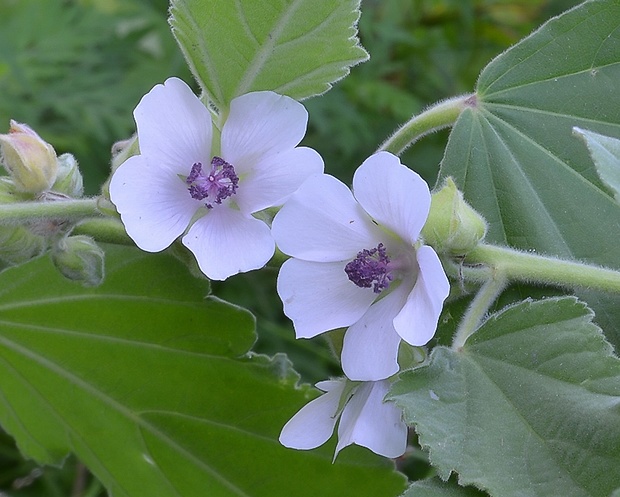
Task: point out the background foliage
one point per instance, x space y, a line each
76 74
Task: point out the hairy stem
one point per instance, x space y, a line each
439 116
532 268
106 230
69 209
79 483
495 267
478 308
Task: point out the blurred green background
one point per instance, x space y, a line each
75 69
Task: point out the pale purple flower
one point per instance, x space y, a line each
357 263
183 178
365 419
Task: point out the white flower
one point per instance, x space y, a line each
357 263
180 179
364 419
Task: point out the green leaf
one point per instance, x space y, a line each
530 406
434 487
149 383
294 47
513 153
605 152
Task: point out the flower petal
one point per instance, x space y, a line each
322 222
275 177
225 242
314 423
174 127
417 321
370 348
319 297
372 423
154 203
394 195
261 123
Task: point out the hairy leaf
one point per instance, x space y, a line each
514 155
294 47
529 407
605 152
513 152
434 487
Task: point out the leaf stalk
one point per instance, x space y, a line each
439 116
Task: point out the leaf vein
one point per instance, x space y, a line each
111 339
525 422
266 49
114 405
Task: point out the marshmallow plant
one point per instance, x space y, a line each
467 328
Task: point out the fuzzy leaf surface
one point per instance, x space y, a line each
529 407
605 152
514 155
297 48
434 487
513 152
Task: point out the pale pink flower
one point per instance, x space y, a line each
184 183
357 263
365 419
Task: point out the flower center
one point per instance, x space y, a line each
370 268
220 183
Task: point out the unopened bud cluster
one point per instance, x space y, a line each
36 173
31 162
18 244
79 258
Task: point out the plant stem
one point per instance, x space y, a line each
478 308
106 230
79 483
439 116
89 218
61 209
496 266
532 268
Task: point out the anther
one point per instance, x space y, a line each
370 269
220 183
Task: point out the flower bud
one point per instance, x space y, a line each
19 245
121 151
453 226
69 179
9 193
79 258
31 161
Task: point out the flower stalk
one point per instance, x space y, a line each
439 116
105 230
495 267
478 308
